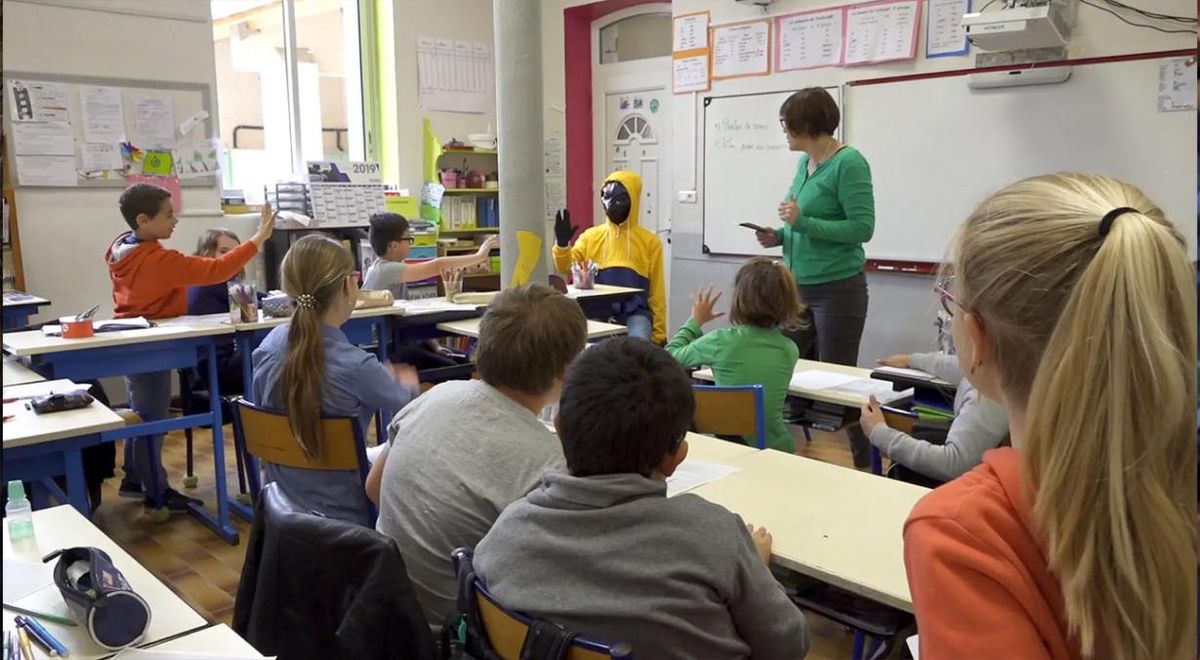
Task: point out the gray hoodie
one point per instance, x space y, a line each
615 560
979 425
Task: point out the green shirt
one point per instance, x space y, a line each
745 355
837 215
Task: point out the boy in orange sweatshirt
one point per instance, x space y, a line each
151 281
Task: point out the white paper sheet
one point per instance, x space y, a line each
99 157
915 374
690 74
1177 84
454 76
817 379
741 49
881 32
152 654
693 474
809 40
691 32
47 171
866 387
912 647
154 121
22 578
945 32
198 159
43 138
30 100
103 114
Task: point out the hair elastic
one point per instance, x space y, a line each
1107 220
306 300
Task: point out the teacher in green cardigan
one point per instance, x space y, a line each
827 215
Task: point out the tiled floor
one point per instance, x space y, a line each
204 570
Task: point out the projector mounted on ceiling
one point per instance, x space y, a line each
757 3
1018 28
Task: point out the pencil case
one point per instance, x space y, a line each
368 299
278 305
51 403
99 597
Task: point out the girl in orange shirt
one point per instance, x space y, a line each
1073 305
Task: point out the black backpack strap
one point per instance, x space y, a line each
475 641
546 641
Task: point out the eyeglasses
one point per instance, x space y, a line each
407 239
949 302
783 123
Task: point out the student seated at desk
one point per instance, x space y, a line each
151 281
979 425
1073 305
309 367
214 299
602 550
754 350
468 448
392 242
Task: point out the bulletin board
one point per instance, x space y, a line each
102 114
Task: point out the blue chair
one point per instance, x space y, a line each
733 410
490 627
266 434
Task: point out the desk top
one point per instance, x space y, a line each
16 373
848 399
25 300
715 450
34 342
29 428
845 531
219 640
600 290
64 527
470 328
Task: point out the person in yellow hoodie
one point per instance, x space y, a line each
625 253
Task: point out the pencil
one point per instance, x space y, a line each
52 618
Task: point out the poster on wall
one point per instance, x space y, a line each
808 40
945 35
103 114
690 53
1177 84
741 49
882 31
454 76
31 100
690 32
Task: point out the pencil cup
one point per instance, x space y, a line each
243 302
76 329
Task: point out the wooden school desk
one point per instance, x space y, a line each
40 447
850 536
470 328
16 373
715 450
831 396
63 527
18 307
219 640
168 346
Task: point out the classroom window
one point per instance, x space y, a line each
636 38
265 49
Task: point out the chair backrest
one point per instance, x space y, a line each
268 436
505 630
734 410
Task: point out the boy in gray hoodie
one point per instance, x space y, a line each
600 548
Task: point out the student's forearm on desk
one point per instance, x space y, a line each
939 364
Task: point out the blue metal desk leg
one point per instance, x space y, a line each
243 340
382 417
876 461
223 527
76 483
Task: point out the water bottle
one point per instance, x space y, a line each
18 512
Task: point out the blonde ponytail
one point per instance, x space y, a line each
1097 335
313 271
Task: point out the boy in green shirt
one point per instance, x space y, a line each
754 351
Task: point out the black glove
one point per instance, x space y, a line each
564 231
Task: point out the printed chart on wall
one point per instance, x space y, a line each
690 53
454 76
748 168
808 40
882 31
945 35
741 49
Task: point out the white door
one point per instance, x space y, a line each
632 128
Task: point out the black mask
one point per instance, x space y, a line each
615 199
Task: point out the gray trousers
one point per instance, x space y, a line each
837 314
150 397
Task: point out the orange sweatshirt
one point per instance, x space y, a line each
150 280
980 580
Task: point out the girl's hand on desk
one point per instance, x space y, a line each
762 541
897 361
872 416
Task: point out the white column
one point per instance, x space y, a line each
518 36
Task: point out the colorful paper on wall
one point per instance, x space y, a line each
158 163
809 40
882 31
171 183
741 49
945 35
198 159
529 252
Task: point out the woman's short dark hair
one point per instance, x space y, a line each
811 112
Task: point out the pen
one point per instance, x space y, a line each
26 650
56 647
36 639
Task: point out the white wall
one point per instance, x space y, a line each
64 231
466 20
902 307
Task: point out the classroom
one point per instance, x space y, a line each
828 329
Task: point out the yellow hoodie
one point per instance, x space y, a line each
626 255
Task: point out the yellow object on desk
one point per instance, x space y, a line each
529 252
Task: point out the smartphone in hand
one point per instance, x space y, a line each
751 225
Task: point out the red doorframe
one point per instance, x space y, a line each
577 62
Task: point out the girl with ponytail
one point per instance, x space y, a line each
1074 306
309 367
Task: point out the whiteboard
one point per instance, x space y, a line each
747 168
937 148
